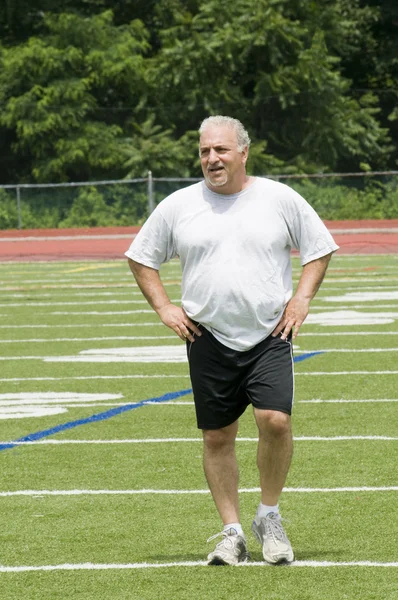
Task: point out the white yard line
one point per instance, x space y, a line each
345 332
99 313
316 373
368 307
39 493
182 376
77 404
166 565
325 303
313 401
77 303
297 352
92 325
337 438
159 324
91 339
92 377
103 282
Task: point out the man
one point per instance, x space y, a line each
233 234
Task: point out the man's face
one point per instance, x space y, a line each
222 165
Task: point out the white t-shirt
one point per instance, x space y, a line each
235 254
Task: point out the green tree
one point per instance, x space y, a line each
61 93
269 64
151 148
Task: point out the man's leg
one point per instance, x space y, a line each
221 470
274 453
222 474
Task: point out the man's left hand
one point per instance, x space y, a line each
293 317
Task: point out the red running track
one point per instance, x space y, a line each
353 237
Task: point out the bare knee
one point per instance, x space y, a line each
216 440
273 422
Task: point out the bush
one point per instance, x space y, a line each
335 201
124 204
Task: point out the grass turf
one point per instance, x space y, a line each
152 528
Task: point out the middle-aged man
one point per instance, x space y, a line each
233 235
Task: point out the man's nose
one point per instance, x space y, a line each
213 156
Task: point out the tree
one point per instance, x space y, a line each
269 63
61 93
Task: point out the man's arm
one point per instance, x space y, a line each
297 308
173 316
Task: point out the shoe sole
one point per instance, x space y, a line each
217 561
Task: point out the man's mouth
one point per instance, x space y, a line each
215 169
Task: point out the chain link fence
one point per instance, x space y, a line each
126 202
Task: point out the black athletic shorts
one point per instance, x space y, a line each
226 381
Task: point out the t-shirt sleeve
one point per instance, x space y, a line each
154 243
309 234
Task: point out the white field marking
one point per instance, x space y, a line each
166 565
350 317
94 377
351 350
95 280
360 306
347 373
94 312
343 401
156 356
330 287
314 401
78 326
336 318
182 376
124 289
111 290
30 405
359 278
74 291
94 339
45 238
78 303
39 397
142 354
24 412
147 491
159 324
88 402
351 333
336 438
360 296
72 404
74 294
151 354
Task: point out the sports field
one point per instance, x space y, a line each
102 494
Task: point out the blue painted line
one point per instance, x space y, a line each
108 414
113 412
306 355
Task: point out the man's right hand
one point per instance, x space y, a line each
177 319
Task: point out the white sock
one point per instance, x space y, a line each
236 526
263 510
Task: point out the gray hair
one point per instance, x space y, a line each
242 136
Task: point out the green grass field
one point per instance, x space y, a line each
103 496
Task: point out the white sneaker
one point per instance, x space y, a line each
230 551
271 535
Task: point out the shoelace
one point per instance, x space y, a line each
274 529
226 541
